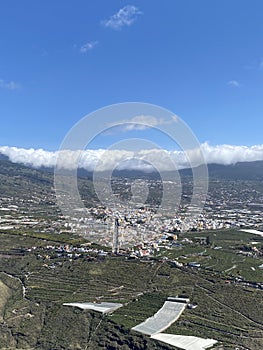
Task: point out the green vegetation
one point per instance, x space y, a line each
229 313
40 321
35 281
64 237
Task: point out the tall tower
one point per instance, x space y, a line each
115 243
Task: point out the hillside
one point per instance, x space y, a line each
36 318
43 265
239 171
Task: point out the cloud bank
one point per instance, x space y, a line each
125 159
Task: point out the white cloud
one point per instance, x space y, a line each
233 83
9 85
123 159
142 122
230 154
33 157
88 46
124 17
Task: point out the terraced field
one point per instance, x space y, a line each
88 281
229 313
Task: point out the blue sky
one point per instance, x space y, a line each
61 60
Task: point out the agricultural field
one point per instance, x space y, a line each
35 284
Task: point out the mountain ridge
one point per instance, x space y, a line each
239 171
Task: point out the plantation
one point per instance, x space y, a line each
228 312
